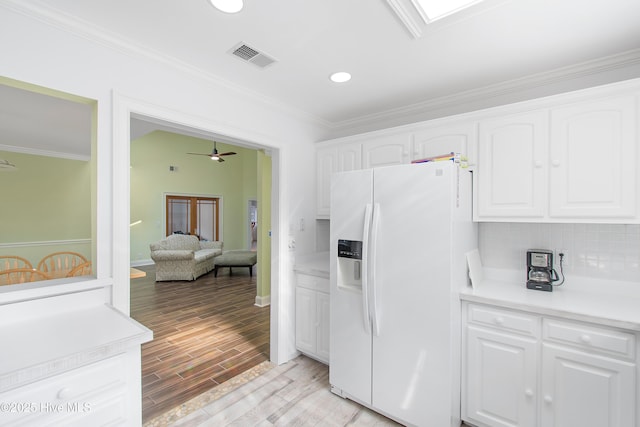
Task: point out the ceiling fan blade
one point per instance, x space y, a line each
201 154
230 153
220 159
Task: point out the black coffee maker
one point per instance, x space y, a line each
540 272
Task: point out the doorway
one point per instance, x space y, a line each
252 232
194 215
272 310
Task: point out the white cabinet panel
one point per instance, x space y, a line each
512 166
306 320
96 394
323 326
439 140
312 316
584 390
593 159
329 160
386 151
500 379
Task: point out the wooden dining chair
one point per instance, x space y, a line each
8 262
59 264
83 269
16 276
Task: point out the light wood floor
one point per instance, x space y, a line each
205 332
293 394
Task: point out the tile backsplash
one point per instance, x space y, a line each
608 251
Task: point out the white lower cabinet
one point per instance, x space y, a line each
585 390
96 394
523 369
501 378
312 316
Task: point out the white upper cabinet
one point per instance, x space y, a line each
569 158
568 163
329 160
386 150
593 156
511 175
439 140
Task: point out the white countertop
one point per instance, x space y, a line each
314 264
608 302
44 345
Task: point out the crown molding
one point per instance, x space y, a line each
46 153
511 87
113 41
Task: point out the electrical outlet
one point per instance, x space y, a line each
565 258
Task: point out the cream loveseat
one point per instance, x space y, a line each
183 257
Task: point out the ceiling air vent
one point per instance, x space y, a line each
249 54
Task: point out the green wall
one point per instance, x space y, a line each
46 199
234 180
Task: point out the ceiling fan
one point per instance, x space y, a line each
214 155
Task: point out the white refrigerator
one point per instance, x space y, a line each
399 236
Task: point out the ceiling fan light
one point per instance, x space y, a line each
214 157
228 6
5 165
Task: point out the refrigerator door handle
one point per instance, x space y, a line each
365 267
372 272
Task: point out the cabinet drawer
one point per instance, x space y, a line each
313 282
610 341
503 319
76 392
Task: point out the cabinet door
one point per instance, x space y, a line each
441 140
323 326
500 379
328 161
349 157
306 325
387 151
584 390
326 164
511 177
593 160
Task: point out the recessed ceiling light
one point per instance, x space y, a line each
340 77
228 6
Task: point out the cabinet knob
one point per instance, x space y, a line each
555 163
528 392
586 339
548 399
64 393
498 321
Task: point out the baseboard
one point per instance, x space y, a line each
263 301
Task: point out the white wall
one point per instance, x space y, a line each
43 52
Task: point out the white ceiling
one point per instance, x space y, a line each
391 69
